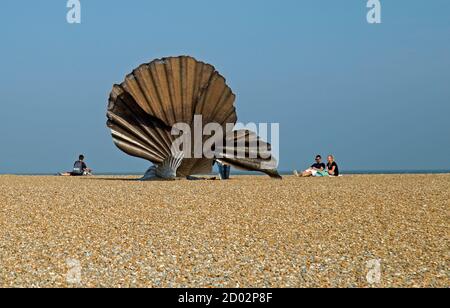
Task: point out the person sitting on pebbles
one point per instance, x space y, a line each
332 166
317 169
79 168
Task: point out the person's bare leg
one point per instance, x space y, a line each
65 174
306 174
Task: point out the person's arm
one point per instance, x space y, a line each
315 168
86 168
333 168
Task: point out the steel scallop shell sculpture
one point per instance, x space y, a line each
144 108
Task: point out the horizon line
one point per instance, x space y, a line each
284 172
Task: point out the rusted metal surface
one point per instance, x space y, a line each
143 109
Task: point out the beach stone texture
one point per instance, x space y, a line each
354 231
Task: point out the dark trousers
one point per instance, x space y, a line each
224 171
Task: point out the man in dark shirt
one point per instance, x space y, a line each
79 168
318 166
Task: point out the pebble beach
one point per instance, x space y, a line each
251 231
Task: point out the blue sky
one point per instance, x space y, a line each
376 96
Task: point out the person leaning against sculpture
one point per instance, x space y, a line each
224 170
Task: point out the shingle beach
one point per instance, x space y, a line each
251 231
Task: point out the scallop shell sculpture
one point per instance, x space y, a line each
143 110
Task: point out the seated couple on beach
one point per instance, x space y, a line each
79 168
319 169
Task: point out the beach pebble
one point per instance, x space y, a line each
251 231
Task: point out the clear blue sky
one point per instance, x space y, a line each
377 96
